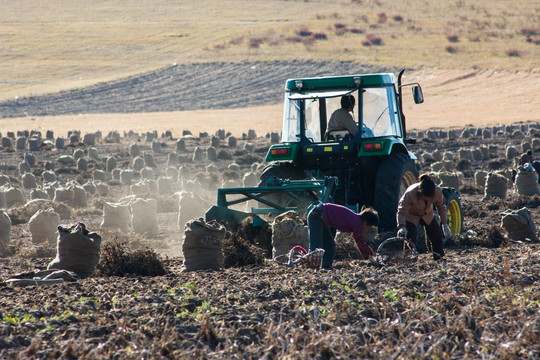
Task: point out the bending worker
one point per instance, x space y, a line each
325 215
416 206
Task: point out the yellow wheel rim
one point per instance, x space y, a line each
407 180
454 217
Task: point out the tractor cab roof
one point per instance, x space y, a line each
334 82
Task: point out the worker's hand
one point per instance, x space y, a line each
402 232
366 251
446 231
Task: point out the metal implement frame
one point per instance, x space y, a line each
294 190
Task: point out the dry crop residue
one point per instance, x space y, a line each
482 301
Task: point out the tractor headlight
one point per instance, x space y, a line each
298 84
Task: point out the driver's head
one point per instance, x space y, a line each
347 101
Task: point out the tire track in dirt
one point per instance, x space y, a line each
182 87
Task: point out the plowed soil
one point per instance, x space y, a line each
240 96
481 302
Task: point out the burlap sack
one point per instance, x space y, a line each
449 179
63 195
496 186
191 206
5 228
202 247
2 198
519 224
144 216
140 188
288 230
166 185
480 178
77 250
14 196
43 225
116 216
526 182
80 200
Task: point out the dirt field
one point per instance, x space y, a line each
237 97
481 302
478 64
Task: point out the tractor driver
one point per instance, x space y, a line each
341 119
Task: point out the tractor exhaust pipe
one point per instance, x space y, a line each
400 98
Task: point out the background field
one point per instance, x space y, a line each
479 61
59 44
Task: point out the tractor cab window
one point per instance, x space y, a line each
291 120
310 110
309 113
380 112
313 126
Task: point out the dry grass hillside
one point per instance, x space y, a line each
59 44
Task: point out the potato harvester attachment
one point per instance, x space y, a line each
298 195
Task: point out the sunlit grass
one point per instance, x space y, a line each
57 45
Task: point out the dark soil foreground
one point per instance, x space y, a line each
481 302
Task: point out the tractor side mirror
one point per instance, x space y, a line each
417 94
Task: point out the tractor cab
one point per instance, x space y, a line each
310 103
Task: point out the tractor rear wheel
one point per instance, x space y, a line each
453 207
396 173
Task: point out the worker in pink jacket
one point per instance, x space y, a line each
416 207
324 216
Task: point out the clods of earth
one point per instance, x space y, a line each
481 301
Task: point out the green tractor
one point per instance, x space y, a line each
373 167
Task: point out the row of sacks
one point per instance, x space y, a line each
496 184
166 183
445 159
202 246
131 213
42 225
72 193
74 137
515 131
